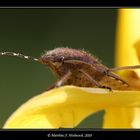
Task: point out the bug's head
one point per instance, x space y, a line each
54 57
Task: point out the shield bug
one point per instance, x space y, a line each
79 68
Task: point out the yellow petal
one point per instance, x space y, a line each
127 54
128 34
67 106
119 118
136 119
127 41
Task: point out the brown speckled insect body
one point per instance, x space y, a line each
79 68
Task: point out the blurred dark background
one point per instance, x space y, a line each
31 31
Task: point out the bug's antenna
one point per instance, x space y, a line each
19 55
125 68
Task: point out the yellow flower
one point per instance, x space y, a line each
67 106
128 44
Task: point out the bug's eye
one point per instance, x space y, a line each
58 59
62 58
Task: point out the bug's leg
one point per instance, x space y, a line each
61 81
93 80
108 73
